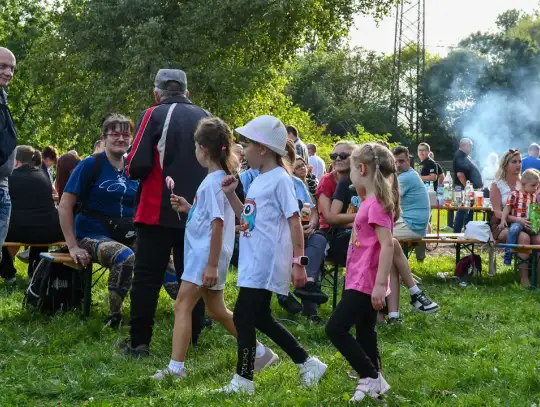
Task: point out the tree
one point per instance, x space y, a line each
509 19
343 89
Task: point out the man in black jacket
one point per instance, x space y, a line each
163 146
8 142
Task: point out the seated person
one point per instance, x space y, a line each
300 170
414 203
102 230
65 166
315 247
515 212
34 218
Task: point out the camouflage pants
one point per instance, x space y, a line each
120 259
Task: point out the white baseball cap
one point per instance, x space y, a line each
268 131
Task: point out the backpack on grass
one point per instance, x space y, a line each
469 267
54 288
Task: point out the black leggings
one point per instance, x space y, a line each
252 310
362 353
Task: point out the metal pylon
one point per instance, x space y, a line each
409 65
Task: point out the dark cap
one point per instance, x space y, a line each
171 79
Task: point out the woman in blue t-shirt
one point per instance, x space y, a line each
102 231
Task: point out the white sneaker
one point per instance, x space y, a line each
238 384
370 387
163 374
267 359
311 371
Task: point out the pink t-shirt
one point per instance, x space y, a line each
363 254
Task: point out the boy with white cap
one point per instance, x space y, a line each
271 243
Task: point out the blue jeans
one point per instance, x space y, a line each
5 212
513 232
462 218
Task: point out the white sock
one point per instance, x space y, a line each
260 351
175 366
393 315
414 290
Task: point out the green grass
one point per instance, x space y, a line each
480 350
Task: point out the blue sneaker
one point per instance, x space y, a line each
508 257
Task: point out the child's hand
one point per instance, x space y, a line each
525 222
229 184
210 276
503 224
378 296
179 204
299 276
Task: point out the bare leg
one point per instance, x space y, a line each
218 311
402 265
524 239
188 296
393 299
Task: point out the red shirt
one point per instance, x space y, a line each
327 186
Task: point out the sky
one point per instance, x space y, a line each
447 22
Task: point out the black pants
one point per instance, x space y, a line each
154 244
252 311
362 353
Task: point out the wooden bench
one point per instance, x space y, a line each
457 239
65 258
532 251
19 244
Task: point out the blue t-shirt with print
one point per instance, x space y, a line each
112 195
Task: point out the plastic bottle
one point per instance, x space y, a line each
458 196
440 195
306 213
447 185
469 194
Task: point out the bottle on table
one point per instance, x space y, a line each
469 194
447 185
458 196
305 213
440 195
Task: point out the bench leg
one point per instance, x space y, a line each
534 270
458 253
335 287
492 260
87 290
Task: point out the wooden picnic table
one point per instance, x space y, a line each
465 208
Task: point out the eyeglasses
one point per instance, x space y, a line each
117 136
513 151
342 156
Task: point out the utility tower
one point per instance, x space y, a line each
409 67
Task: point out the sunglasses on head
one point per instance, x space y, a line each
342 156
513 150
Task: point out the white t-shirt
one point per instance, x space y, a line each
266 252
318 166
210 203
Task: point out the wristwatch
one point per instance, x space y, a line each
302 260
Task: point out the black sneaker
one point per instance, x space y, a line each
311 292
113 321
139 351
291 304
394 320
423 304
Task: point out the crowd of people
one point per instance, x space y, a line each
177 183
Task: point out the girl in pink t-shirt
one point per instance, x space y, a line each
368 268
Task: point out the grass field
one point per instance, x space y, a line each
480 350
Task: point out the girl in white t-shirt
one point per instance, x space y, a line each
208 244
271 248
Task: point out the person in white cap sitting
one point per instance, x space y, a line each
271 245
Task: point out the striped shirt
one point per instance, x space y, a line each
519 201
